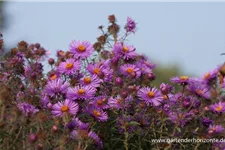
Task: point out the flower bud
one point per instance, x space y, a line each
54 128
49 105
32 138
119 81
40 146
123 94
51 61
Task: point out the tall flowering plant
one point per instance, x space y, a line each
101 96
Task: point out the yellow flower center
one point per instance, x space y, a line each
100 102
125 49
81 48
207 75
183 78
130 70
87 80
200 92
64 108
69 66
119 101
53 77
96 70
81 91
96 113
219 108
165 97
151 94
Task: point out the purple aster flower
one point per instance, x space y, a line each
119 102
165 88
74 135
100 102
123 122
200 90
211 75
145 66
183 80
81 49
218 107
150 95
68 106
125 51
44 100
181 118
27 109
93 81
81 92
69 67
206 121
56 87
76 123
97 113
130 25
214 129
102 70
92 135
130 70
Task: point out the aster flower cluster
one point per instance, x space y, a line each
101 96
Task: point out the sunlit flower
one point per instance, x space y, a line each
56 87
68 106
97 113
125 51
150 95
92 80
81 92
130 70
81 49
69 67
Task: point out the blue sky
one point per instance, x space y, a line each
191 34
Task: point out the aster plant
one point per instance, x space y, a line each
101 96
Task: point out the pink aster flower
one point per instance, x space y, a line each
218 107
150 95
130 70
125 51
81 92
97 113
69 67
214 129
92 80
56 87
81 49
68 106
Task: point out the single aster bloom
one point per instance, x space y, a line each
125 51
130 25
183 80
214 129
77 124
102 70
92 135
81 49
130 70
92 80
97 113
81 92
218 107
69 67
150 96
119 102
100 102
56 87
68 106
27 109
200 90
210 76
